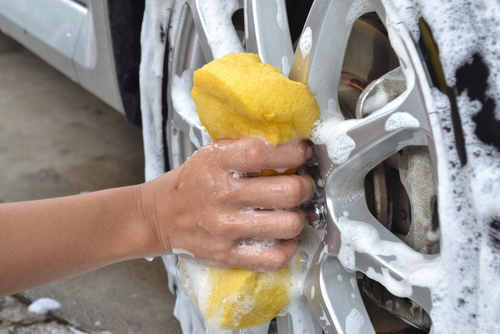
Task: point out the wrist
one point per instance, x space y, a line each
154 211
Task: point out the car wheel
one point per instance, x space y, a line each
407 170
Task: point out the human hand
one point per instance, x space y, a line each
210 212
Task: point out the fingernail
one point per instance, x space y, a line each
309 152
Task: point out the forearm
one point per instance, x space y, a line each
47 240
200 208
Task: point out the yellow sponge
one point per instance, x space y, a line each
237 298
239 96
240 298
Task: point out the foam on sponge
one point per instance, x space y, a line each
241 298
238 96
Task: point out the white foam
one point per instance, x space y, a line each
305 43
44 305
183 102
358 8
281 14
323 318
353 322
375 101
179 251
155 23
195 276
258 243
285 65
219 28
400 120
332 132
76 331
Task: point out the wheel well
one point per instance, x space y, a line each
125 21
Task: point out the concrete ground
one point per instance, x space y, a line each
57 139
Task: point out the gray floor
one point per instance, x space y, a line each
56 139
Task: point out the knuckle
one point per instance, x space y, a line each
224 231
309 184
219 257
294 224
294 190
280 262
299 155
255 155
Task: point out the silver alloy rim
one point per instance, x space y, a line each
266 33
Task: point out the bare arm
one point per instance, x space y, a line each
201 208
47 240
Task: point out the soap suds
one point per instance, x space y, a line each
400 120
354 322
219 28
281 14
179 251
305 43
184 105
332 132
358 8
44 305
195 277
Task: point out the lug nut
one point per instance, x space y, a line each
316 215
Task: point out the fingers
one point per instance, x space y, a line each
275 192
255 154
263 259
231 205
266 224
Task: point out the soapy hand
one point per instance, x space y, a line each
214 212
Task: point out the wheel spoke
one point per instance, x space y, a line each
267 32
398 124
300 319
335 297
205 32
184 110
213 22
320 54
380 9
370 248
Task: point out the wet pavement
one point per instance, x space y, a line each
56 139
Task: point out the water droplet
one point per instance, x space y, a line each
477 153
